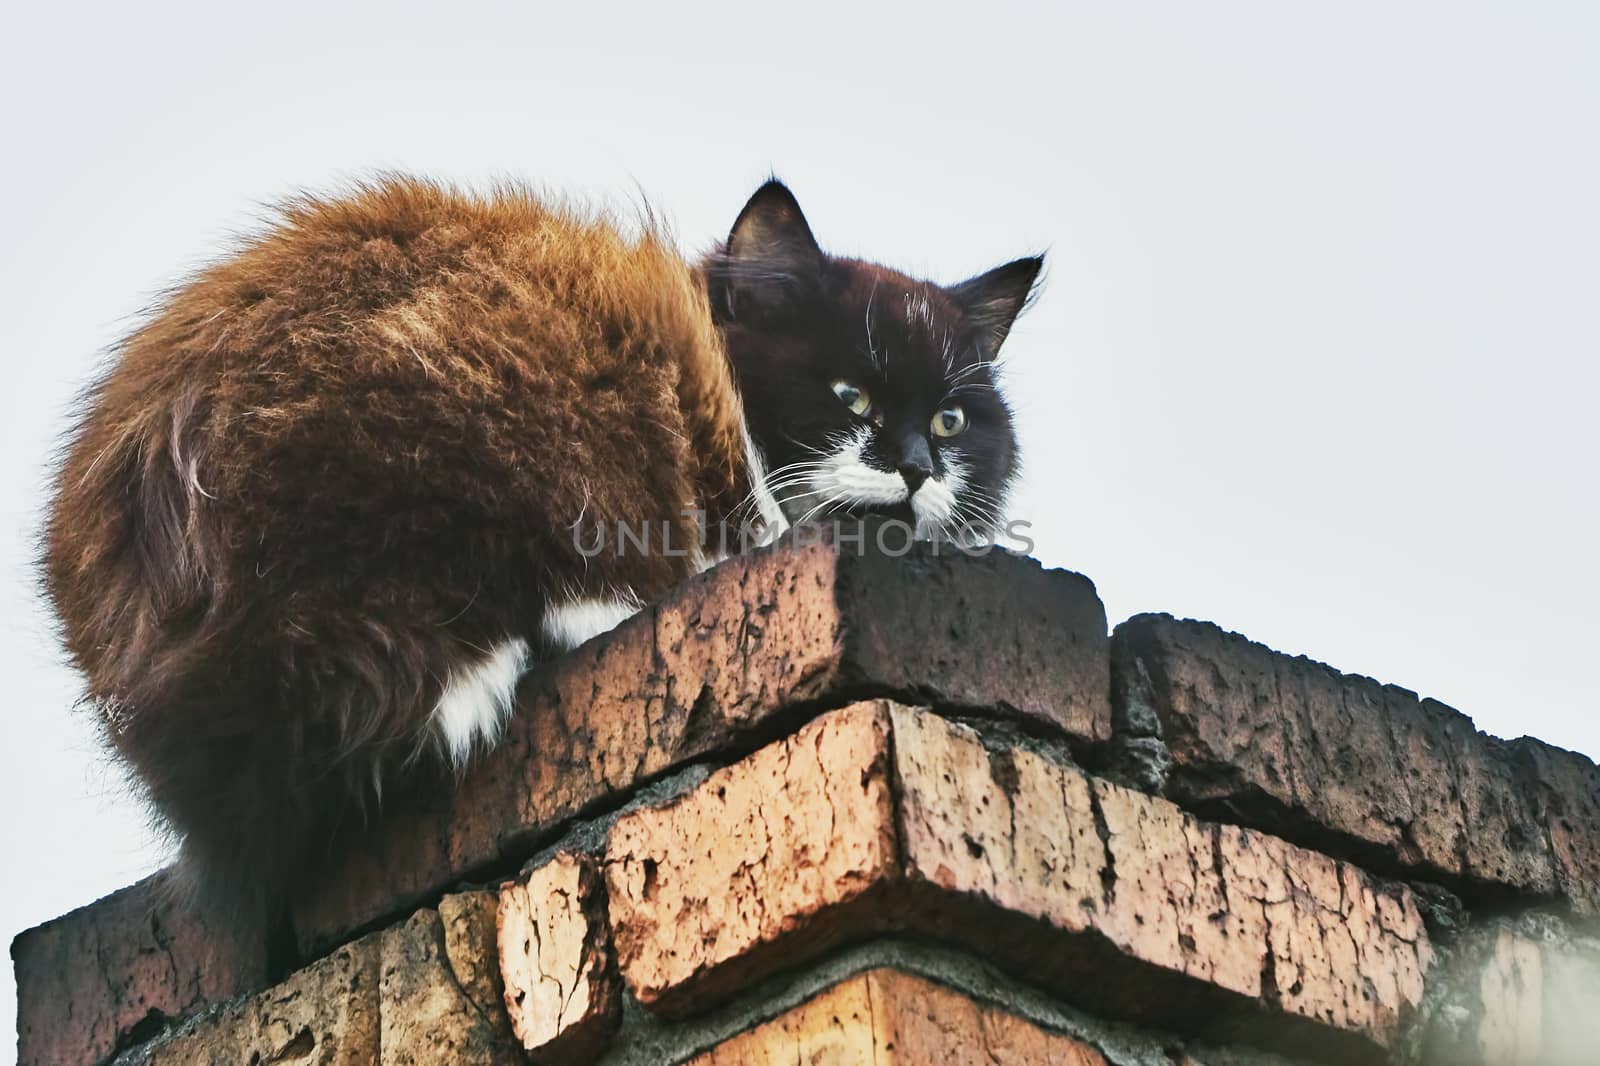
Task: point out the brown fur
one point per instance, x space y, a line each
345 458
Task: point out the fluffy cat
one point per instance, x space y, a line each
329 503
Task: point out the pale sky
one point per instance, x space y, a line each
1316 358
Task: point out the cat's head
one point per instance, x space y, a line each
866 390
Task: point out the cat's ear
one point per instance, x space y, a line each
992 301
772 230
771 256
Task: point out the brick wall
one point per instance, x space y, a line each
823 808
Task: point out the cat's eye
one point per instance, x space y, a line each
950 421
853 396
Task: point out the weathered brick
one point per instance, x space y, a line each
426 1013
103 975
1238 912
1567 798
711 665
324 1015
419 993
1407 786
471 945
1515 992
884 1017
705 892
561 984
881 818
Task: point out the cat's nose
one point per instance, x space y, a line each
915 474
916 463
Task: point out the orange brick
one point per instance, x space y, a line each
702 891
561 986
427 1013
885 1017
881 818
1213 903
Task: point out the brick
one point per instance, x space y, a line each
705 892
422 992
1512 996
1243 916
427 1014
884 1017
110 973
323 1015
1567 799
471 944
710 666
1515 992
561 984
878 818
1405 785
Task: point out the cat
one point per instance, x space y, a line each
343 487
